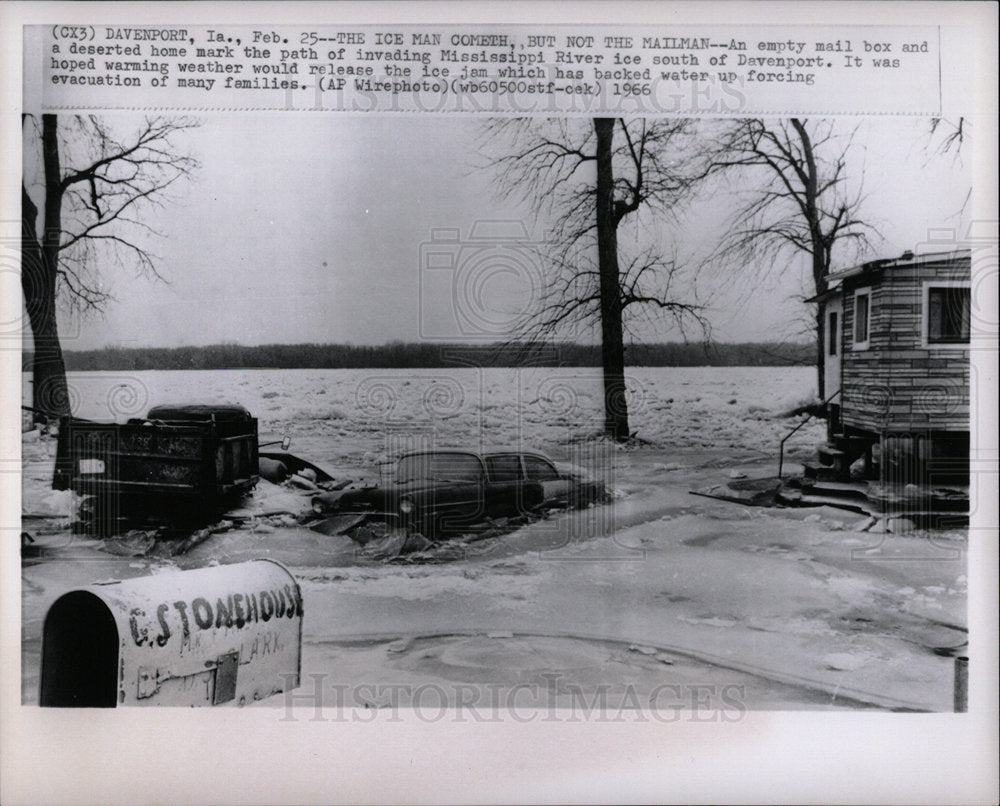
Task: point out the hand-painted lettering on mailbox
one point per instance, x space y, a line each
235 610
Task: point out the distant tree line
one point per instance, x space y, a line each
404 355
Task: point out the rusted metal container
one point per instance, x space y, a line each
230 633
187 456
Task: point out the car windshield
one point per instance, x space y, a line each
454 467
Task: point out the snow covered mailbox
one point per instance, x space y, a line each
229 633
897 369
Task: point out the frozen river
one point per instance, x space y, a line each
765 608
360 411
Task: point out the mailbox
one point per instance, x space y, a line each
226 634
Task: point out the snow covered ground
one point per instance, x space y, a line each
743 608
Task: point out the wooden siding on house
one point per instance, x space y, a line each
897 384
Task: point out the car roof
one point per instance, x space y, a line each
493 451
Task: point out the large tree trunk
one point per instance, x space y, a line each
39 262
612 334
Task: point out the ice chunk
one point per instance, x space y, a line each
844 661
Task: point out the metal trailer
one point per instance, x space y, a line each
176 459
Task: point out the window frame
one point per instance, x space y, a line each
436 455
544 460
857 344
512 454
832 336
925 315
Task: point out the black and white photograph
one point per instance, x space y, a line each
592 410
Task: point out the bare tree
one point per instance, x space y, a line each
947 137
585 181
96 192
797 200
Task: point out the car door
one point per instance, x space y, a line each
506 491
539 470
455 497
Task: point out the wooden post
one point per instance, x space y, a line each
961 684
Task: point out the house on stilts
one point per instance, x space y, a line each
897 336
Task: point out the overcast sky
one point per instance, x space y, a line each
309 228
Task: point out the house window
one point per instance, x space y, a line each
832 333
862 319
949 310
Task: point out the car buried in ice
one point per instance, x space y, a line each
450 490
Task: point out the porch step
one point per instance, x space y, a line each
829 454
842 489
822 472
